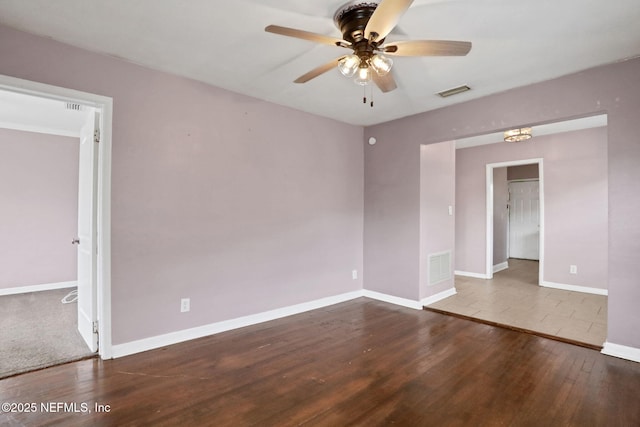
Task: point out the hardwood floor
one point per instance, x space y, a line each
362 362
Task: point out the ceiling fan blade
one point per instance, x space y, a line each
306 35
384 18
318 71
427 48
386 83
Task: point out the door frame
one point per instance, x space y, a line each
489 209
105 106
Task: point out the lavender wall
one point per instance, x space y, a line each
522 172
392 175
392 214
179 146
241 205
39 214
500 215
576 205
575 197
437 227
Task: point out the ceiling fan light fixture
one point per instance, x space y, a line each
381 64
517 135
363 77
349 65
365 25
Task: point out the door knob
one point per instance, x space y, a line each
75 241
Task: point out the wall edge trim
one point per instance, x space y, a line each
621 351
501 266
405 302
150 343
438 297
574 288
38 288
470 274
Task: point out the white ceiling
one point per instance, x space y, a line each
223 43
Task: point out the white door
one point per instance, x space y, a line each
87 257
524 220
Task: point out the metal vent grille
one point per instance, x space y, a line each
439 267
454 91
73 106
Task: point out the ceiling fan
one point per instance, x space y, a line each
364 26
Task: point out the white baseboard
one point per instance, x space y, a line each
38 288
574 288
501 266
468 274
621 351
120 350
392 299
437 297
138 346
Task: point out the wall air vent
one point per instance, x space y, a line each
73 106
439 267
454 91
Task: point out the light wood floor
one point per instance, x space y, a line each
362 362
513 298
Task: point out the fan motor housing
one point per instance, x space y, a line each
352 18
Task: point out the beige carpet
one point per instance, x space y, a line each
37 330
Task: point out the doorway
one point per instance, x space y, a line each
573 169
95 301
525 208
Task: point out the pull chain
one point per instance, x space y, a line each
371 93
364 94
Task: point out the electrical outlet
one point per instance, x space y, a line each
185 305
573 269
450 210
354 274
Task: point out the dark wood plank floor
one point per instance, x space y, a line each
362 362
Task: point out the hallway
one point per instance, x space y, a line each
514 299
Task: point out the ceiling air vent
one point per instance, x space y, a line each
73 106
454 91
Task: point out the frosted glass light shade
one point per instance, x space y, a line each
349 65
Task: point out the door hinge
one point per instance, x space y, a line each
95 327
96 135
